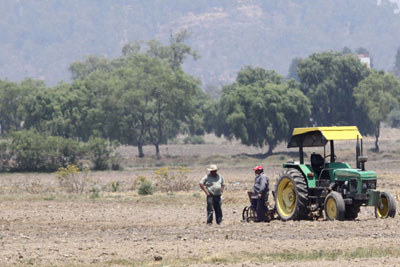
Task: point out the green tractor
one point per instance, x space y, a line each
305 191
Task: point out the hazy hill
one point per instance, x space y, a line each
42 38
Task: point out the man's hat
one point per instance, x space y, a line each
258 168
212 167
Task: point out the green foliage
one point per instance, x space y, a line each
250 75
146 188
292 73
91 64
12 95
394 118
261 112
194 139
99 153
377 95
115 186
28 150
31 151
140 98
329 79
175 52
116 160
95 192
396 69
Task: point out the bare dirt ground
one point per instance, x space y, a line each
41 225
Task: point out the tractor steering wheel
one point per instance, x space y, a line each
327 156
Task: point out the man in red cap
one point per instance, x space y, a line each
260 192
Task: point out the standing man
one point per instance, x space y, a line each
213 186
260 192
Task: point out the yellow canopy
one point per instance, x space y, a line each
319 136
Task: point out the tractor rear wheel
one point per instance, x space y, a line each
334 207
387 207
351 211
291 195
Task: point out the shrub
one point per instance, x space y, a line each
116 162
394 118
99 153
194 139
95 192
71 180
172 180
146 188
114 186
32 151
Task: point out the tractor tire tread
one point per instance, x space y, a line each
302 211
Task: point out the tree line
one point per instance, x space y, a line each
144 97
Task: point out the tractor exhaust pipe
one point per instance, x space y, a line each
362 159
358 153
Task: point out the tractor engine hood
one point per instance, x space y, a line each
354 173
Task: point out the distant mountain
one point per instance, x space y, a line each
40 38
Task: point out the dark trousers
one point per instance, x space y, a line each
259 205
214 204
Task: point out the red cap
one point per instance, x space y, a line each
258 168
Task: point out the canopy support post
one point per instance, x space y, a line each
301 154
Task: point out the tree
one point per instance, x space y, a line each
293 70
329 79
376 96
176 52
12 96
152 100
139 98
249 75
396 69
260 112
346 51
80 70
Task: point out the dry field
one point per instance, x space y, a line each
41 225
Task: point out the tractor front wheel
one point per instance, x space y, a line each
334 207
291 195
387 208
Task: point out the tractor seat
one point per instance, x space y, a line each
317 162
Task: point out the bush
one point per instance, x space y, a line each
194 140
116 160
32 151
146 188
172 180
394 118
99 151
71 180
114 186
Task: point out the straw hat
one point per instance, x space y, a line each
212 167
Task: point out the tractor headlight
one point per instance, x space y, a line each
364 186
369 184
372 184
